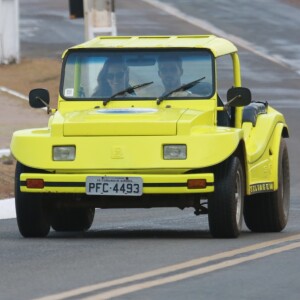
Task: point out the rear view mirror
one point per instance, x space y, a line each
238 96
141 61
39 98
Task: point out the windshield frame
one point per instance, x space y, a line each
138 50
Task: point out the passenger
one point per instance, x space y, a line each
113 78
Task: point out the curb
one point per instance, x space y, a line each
4 152
7 209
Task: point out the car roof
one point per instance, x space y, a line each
218 46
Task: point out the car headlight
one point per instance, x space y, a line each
63 153
175 151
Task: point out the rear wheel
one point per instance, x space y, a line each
72 219
268 212
31 209
225 207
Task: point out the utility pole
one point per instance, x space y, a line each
9 32
99 18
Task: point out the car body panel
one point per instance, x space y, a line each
34 148
152 183
125 137
217 45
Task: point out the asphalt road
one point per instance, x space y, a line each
125 243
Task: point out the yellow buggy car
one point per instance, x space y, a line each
141 122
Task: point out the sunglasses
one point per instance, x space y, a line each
117 75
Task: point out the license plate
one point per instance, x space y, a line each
116 186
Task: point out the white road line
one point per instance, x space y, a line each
200 271
79 292
7 209
12 92
16 94
219 32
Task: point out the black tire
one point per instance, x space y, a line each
268 212
72 219
225 207
31 209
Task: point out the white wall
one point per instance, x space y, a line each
9 31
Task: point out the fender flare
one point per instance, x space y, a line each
281 131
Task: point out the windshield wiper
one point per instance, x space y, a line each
182 88
129 90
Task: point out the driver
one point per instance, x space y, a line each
170 72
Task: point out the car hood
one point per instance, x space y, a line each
133 121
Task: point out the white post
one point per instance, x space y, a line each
99 18
9 32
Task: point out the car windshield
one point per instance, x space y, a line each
137 74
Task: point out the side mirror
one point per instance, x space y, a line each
39 98
238 96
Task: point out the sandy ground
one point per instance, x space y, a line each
16 114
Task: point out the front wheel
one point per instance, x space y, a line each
225 207
31 209
72 218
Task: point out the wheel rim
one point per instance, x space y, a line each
238 197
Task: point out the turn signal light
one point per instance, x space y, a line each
196 184
35 183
